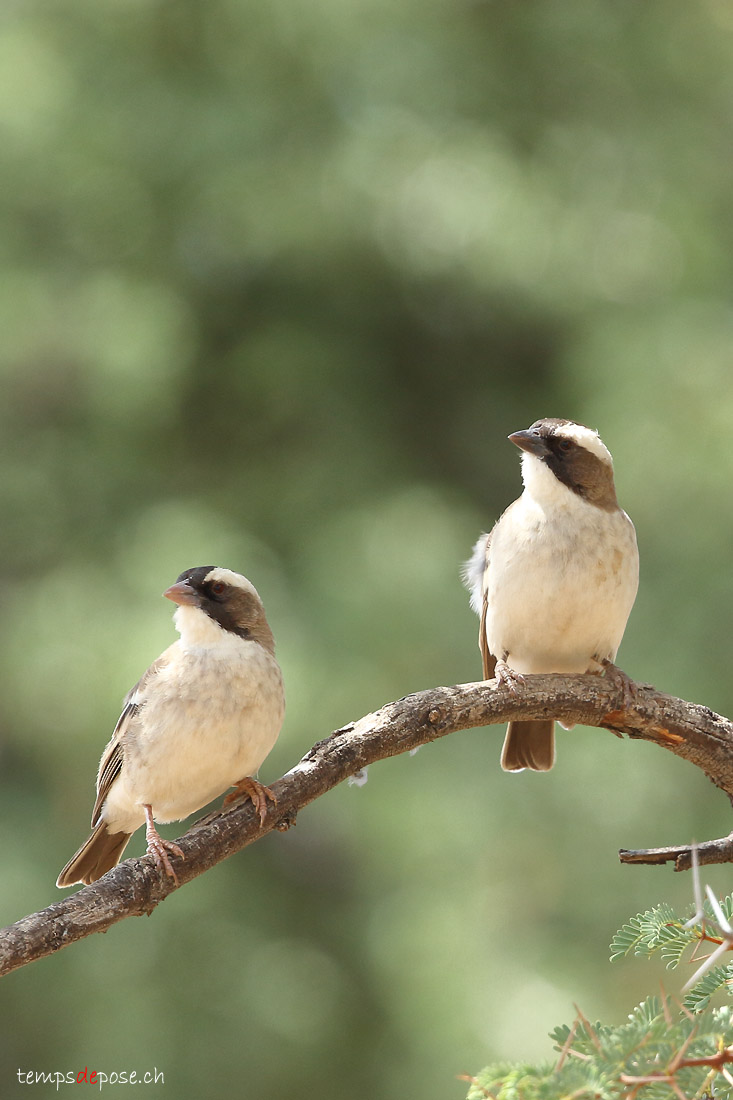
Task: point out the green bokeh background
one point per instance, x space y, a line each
276 281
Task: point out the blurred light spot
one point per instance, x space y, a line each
137 338
721 13
529 1010
35 86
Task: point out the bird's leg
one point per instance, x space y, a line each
254 790
507 676
159 848
619 679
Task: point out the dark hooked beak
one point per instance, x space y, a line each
530 441
181 593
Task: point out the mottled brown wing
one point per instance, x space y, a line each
113 756
110 767
488 659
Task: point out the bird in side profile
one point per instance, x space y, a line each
202 719
555 580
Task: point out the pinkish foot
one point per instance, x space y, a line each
159 848
508 677
254 790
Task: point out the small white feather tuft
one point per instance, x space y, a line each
472 573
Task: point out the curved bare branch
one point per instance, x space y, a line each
135 887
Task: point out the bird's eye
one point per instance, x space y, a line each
564 445
217 588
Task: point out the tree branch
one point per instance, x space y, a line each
135 887
711 851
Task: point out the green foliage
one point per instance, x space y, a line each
659 927
699 995
651 1054
660 930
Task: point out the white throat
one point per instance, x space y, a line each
197 629
541 484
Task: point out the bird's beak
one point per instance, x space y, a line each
181 593
529 441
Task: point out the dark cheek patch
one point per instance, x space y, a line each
226 616
585 475
564 471
220 615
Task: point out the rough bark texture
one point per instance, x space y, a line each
135 887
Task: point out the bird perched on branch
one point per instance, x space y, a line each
202 718
555 580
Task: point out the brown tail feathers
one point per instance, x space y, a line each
97 855
529 745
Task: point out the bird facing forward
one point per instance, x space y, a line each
555 580
202 719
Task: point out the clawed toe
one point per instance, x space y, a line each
159 848
507 677
257 792
621 680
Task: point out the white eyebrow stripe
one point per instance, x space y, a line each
586 437
228 576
